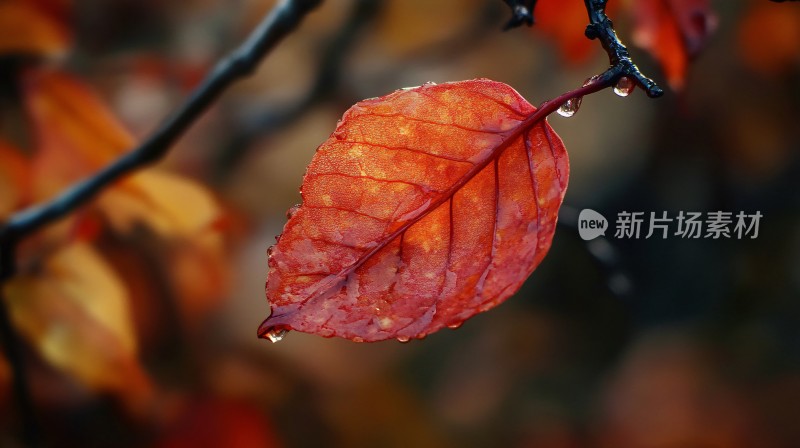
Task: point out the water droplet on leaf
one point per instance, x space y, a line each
570 106
403 339
275 334
455 326
624 86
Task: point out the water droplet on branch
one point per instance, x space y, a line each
570 106
624 86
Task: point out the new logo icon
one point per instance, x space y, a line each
591 224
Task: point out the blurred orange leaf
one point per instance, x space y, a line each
27 28
769 38
75 312
77 135
674 32
14 179
422 209
564 21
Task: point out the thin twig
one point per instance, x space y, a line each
601 28
281 21
326 83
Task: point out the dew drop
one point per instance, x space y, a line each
455 326
270 250
278 237
275 334
292 210
403 339
358 339
569 107
624 86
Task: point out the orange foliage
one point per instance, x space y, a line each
769 38
30 28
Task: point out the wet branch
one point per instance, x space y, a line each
601 28
240 63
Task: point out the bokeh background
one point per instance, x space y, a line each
668 343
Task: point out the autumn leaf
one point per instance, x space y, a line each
76 314
674 32
78 135
423 208
27 28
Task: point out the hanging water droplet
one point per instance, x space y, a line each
358 339
570 106
455 326
270 250
278 237
403 339
275 334
292 210
624 86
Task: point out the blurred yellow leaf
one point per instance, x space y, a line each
75 312
169 204
77 135
14 179
25 28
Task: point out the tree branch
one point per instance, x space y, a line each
327 81
602 28
283 19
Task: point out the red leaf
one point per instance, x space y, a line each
674 32
423 208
